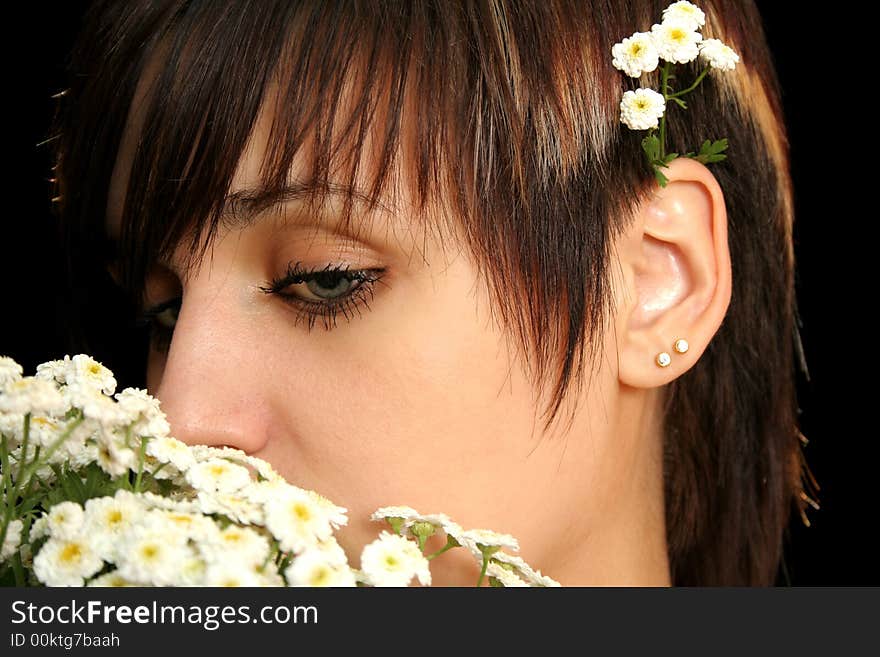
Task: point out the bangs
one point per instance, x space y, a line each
504 151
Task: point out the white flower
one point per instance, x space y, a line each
55 370
153 554
393 560
676 41
508 578
65 520
482 541
32 395
230 573
635 55
641 109
405 513
86 370
297 521
233 505
114 456
685 12
317 567
218 475
44 431
170 450
524 570
95 404
108 518
11 541
142 412
40 528
10 371
239 544
718 55
66 562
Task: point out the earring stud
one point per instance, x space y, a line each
663 359
681 346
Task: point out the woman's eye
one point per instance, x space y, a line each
161 320
325 293
326 286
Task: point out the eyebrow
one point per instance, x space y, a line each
244 207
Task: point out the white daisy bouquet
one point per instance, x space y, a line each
675 40
95 492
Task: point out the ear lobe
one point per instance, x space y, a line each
676 281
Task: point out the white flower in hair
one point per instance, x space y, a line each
676 41
718 54
641 109
685 12
636 54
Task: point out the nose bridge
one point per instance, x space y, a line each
210 387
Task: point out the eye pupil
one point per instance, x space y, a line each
332 283
168 317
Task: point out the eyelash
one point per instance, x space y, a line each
327 310
311 311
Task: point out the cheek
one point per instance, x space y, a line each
430 395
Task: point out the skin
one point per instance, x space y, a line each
420 400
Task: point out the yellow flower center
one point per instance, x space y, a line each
150 551
677 34
636 49
232 537
641 104
320 576
71 553
218 470
391 561
94 368
301 511
114 517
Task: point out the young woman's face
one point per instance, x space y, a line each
413 397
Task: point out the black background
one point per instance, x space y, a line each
834 214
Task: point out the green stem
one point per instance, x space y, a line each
18 570
699 79
7 484
55 445
141 457
483 571
446 547
12 490
664 89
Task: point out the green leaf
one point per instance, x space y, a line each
669 158
712 151
680 102
651 146
661 179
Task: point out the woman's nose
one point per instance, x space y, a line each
211 386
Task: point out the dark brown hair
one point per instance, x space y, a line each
504 114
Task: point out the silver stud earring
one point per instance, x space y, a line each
663 359
681 346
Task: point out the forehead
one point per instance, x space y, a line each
332 178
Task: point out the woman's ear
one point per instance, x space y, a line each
675 277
